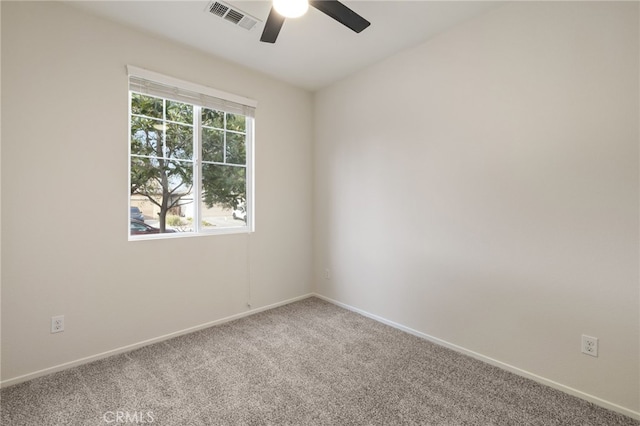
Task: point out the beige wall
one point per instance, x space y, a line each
482 188
64 104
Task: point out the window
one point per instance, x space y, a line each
190 158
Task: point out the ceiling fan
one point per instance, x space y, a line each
283 9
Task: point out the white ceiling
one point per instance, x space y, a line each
312 51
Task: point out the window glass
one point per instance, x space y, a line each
167 137
213 145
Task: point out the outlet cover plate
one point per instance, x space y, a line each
590 345
57 324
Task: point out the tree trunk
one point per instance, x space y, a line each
163 217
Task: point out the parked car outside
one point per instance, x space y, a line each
240 213
140 228
136 214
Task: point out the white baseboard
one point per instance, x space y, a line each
128 348
559 386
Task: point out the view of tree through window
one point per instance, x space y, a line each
188 167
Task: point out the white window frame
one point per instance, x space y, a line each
199 96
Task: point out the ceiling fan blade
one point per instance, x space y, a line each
341 13
272 27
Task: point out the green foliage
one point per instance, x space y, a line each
213 145
222 120
236 122
146 105
177 111
236 149
173 220
212 118
223 185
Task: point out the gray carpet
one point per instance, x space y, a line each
307 363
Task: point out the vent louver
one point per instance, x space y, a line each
232 14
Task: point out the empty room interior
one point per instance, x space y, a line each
380 212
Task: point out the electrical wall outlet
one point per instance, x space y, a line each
327 274
57 324
590 345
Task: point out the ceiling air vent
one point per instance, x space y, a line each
232 14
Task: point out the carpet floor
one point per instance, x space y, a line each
307 363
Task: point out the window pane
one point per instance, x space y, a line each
177 111
212 118
146 139
180 215
236 122
236 151
145 176
179 141
146 105
212 145
163 192
223 196
153 176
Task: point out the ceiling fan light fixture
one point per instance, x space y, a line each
291 8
